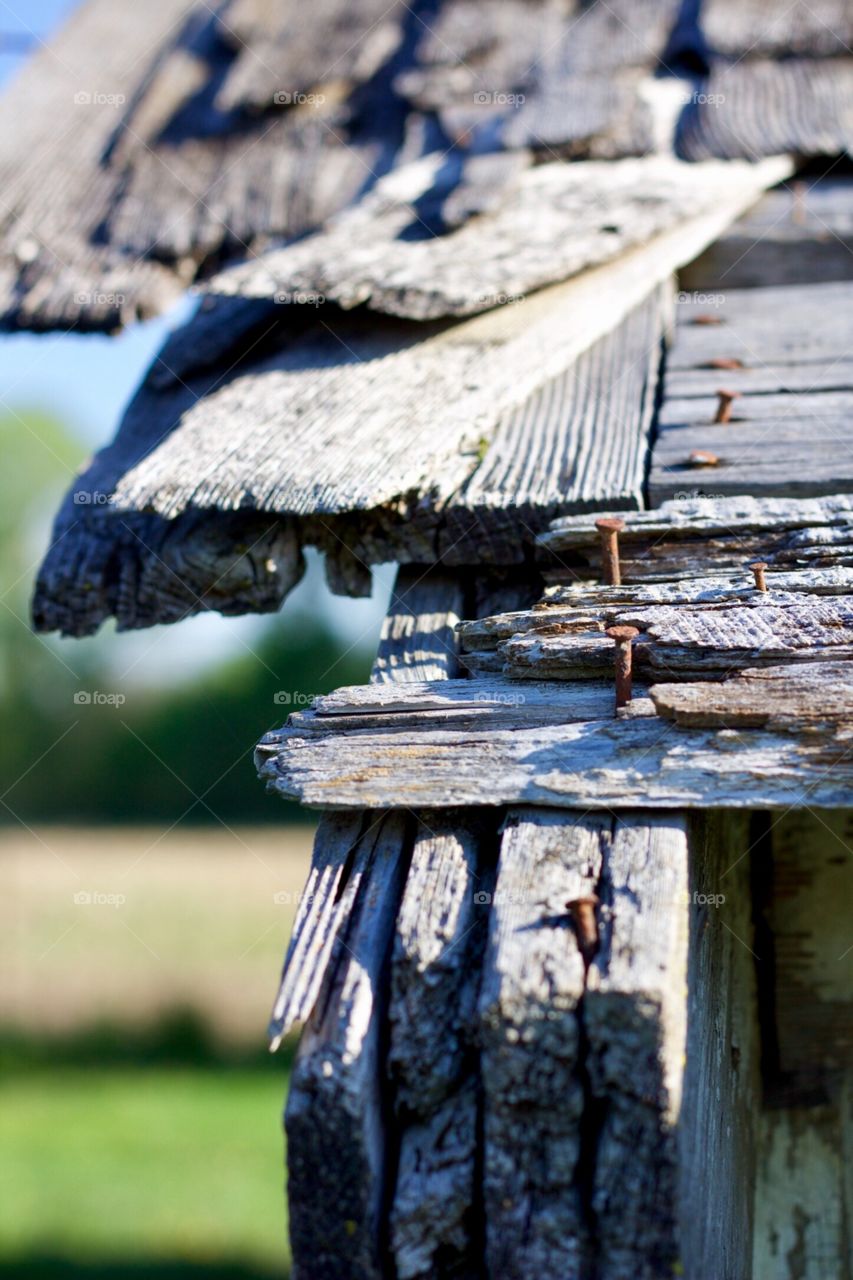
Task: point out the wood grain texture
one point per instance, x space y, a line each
344 847
760 28
418 640
599 764
577 1143
760 451
432 1056
749 109
533 985
695 535
336 1116
562 79
403 432
110 216
554 221
284 49
719 1122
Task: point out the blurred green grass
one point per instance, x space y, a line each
140 1111
153 1171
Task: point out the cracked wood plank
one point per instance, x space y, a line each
696 535
149 179
613 763
432 1057
533 984
581 1156
335 1116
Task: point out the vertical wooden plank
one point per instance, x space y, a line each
634 1017
721 1099
535 1187
336 1116
433 1056
418 640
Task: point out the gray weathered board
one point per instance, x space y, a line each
694 536
440 431
746 109
799 233
554 221
121 175
789 430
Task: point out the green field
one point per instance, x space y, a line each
129 1172
140 1113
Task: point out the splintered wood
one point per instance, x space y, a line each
743 696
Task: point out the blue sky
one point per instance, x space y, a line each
85 381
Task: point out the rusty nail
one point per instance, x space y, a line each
703 458
758 567
724 407
609 530
798 210
703 319
623 637
724 362
582 912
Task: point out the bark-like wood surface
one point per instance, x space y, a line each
454 441
554 221
131 155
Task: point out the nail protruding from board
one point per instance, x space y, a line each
702 458
609 529
585 924
725 400
758 568
623 636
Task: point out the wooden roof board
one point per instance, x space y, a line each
752 688
554 221
336 471
762 28
748 109
799 233
285 49
198 443
608 763
559 79
122 176
789 429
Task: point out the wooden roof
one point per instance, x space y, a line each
160 140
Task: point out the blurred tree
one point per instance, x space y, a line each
166 755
